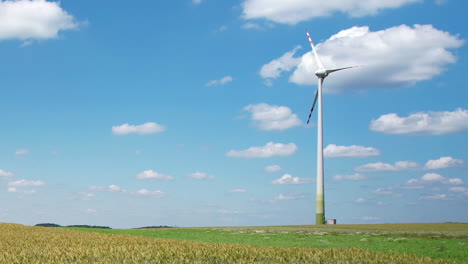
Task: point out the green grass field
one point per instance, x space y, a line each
280 244
438 241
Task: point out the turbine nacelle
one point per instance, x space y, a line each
321 73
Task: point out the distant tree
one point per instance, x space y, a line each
152 227
90 226
48 225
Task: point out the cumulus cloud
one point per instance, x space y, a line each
293 12
422 123
353 151
6 174
380 166
222 81
394 58
289 179
146 128
237 191
271 149
201 176
273 168
274 68
150 174
353 177
33 19
145 192
26 183
430 178
272 117
443 162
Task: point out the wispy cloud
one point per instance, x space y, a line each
272 168
222 81
274 68
144 129
271 149
380 166
21 152
201 176
353 177
353 151
293 12
6 174
289 179
150 174
237 191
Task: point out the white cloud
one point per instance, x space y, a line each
273 168
222 81
274 68
114 188
423 123
145 192
201 176
354 177
237 191
6 174
146 128
26 183
454 181
271 149
197 2
393 58
272 117
380 166
16 190
354 151
150 174
443 162
90 211
33 19
289 179
429 178
295 11
21 152
435 197
432 177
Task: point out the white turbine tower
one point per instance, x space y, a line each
321 74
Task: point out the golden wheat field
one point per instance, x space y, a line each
26 244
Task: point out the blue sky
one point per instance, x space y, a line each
192 113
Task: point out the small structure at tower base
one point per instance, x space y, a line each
331 221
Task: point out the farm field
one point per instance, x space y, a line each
438 241
26 244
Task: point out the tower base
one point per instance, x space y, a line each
320 219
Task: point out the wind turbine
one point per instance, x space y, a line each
321 74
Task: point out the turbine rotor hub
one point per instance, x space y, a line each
321 73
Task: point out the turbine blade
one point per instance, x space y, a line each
313 50
313 105
339 69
